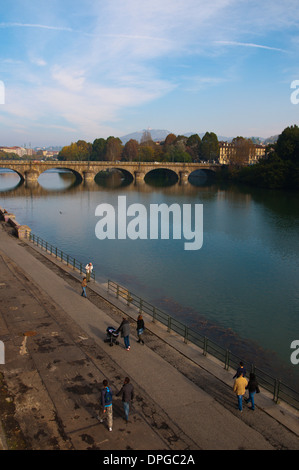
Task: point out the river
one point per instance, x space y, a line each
241 288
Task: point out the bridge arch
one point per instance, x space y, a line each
21 176
168 175
78 175
125 171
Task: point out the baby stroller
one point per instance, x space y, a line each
112 335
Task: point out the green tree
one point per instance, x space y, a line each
99 148
287 145
209 146
193 146
146 153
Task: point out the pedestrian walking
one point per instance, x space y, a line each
241 370
83 285
252 388
124 328
127 392
239 389
106 411
140 329
88 269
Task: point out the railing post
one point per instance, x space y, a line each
276 390
154 315
169 324
117 291
186 334
227 357
205 346
140 306
129 299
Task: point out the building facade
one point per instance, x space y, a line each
228 153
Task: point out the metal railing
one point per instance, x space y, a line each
278 389
59 254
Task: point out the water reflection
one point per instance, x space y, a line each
55 180
9 179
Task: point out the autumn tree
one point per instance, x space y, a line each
130 151
114 149
79 150
242 151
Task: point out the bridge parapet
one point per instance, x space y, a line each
31 170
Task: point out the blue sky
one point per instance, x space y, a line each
94 68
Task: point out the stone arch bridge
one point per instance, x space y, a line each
29 170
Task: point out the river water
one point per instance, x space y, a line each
241 288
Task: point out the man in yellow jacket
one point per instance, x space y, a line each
239 389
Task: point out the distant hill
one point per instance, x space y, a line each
156 134
161 134
271 140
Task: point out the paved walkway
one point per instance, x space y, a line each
56 359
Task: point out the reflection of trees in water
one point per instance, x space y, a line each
48 180
113 179
161 178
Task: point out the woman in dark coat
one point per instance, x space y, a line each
140 329
252 388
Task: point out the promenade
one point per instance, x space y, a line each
56 360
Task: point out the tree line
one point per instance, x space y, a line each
174 149
280 168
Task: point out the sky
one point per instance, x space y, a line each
86 69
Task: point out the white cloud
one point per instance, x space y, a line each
248 44
72 80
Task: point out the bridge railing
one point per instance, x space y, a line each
278 389
57 253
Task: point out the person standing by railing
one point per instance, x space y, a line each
88 268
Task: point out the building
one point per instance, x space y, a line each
20 151
228 153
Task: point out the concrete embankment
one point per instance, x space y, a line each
56 359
